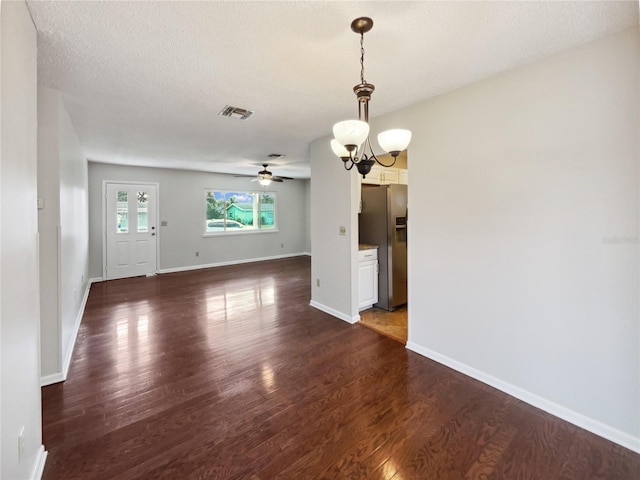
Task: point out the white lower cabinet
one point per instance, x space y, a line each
367 278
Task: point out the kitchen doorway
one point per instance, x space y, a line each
387 235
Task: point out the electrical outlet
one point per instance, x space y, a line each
197 254
282 245
20 444
317 282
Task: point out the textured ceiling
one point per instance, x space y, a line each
143 81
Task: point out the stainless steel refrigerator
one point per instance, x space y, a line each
383 222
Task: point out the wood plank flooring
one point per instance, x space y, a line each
392 324
228 373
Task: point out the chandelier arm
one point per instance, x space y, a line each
372 155
354 157
390 165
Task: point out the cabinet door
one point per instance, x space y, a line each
373 177
403 176
389 175
368 284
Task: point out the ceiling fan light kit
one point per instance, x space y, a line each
265 177
351 142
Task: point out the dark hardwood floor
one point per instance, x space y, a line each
228 373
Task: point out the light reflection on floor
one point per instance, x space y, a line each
235 302
133 327
133 346
246 298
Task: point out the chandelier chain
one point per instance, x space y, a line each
362 58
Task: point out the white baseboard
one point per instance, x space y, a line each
68 354
96 280
66 361
51 379
40 461
224 264
593 426
335 313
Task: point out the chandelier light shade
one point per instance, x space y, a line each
264 181
351 142
339 149
351 133
394 141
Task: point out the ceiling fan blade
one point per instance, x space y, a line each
276 179
285 178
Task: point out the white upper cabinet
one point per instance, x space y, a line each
385 176
403 176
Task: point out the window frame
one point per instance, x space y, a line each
239 231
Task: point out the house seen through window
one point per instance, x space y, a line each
235 212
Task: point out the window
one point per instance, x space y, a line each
235 212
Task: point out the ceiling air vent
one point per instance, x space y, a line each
235 112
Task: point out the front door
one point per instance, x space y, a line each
130 225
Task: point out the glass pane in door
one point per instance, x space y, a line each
143 215
122 212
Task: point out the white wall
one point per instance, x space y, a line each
181 205
307 216
334 201
523 237
19 291
523 233
74 231
48 221
63 227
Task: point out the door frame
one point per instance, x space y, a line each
103 233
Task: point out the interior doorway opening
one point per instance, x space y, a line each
382 235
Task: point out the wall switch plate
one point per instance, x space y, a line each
163 223
343 230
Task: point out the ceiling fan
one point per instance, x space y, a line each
265 177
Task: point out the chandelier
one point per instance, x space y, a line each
351 142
